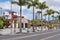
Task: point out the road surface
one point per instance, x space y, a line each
43 35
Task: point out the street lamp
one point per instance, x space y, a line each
11 12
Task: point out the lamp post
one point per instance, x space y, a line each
11 12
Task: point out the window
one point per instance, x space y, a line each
26 25
22 25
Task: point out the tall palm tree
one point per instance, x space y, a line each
53 19
42 6
45 19
53 12
20 3
49 12
33 3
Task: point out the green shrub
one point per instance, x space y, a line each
1 24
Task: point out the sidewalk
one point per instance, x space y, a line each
5 31
8 31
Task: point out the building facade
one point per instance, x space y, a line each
12 16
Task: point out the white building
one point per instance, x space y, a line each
8 15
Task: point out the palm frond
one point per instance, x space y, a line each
42 5
53 16
14 2
39 12
29 6
45 15
50 11
59 18
57 12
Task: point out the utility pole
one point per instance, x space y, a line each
11 20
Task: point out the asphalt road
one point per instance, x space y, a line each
43 35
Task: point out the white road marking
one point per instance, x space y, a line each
28 36
50 37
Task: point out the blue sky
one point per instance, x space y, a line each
4 0
27 13
7 4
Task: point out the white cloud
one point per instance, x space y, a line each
54 4
57 0
15 7
5 5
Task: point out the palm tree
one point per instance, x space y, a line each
33 3
59 20
39 12
45 19
53 12
42 6
49 12
57 12
45 16
58 15
20 3
53 19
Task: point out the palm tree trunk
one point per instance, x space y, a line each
53 21
38 16
56 21
33 20
41 15
14 27
48 21
41 20
20 17
45 18
53 17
